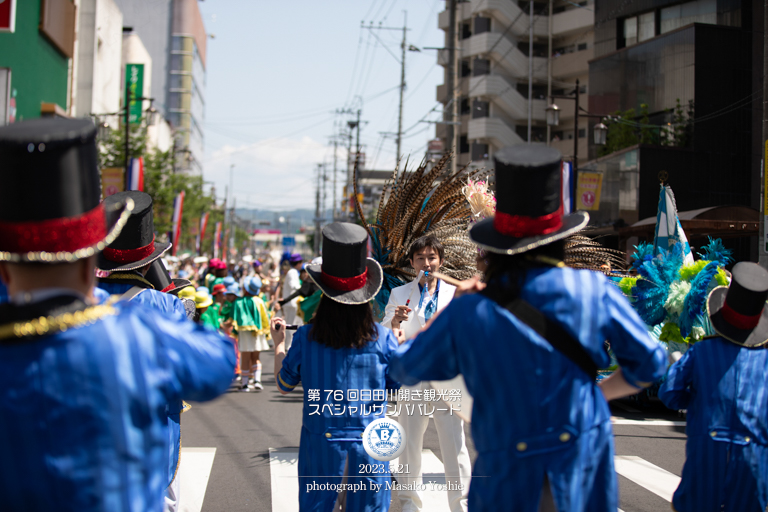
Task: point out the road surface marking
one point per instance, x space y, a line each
194 470
647 423
657 480
285 491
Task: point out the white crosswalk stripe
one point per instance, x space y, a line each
283 462
193 477
657 480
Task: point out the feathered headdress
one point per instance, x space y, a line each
425 201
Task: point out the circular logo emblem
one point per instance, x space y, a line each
384 439
588 198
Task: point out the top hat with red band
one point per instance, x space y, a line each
529 205
160 278
50 196
738 313
136 246
347 274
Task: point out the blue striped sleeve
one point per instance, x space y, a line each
642 359
290 374
389 347
675 392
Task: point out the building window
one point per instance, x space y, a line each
582 46
480 109
463 144
539 50
539 91
582 133
639 28
464 107
701 11
583 89
479 151
466 30
466 70
481 67
482 25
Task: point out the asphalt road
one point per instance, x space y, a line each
242 427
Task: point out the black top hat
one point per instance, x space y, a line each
50 196
346 274
136 246
160 278
529 205
738 313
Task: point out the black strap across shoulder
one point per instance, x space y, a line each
551 331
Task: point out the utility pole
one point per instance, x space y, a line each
762 250
455 96
449 128
402 90
323 207
530 72
404 28
335 204
316 245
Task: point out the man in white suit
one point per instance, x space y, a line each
410 307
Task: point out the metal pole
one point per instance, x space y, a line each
402 92
357 142
451 85
349 175
127 127
762 250
455 98
335 205
575 139
530 72
549 65
316 245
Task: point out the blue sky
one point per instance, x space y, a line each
276 73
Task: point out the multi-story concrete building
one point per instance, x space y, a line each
174 35
493 73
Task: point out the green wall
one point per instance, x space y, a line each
38 69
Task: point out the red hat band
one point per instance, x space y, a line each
345 284
66 234
130 255
521 226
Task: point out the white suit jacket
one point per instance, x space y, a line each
416 320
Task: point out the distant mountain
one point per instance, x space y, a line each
289 221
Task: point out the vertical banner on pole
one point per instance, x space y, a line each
217 240
201 233
178 208
134 78
567 168
136 174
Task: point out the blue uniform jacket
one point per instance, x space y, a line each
725 389
172 306
83 412
352 384
535 412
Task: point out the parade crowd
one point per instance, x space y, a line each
104 339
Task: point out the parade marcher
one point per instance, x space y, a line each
202 302
129 259
540 424
722 383
84 430
158 276
211 315
252 324
409 308
291 283
342 349
218 271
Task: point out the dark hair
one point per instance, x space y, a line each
338 325
426 241
505 273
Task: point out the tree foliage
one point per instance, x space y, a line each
163 182
629 128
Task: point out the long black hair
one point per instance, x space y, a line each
338 325
505 274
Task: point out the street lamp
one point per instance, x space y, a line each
553 115
601 133
103 130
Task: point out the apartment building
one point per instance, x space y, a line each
174 35
493 74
